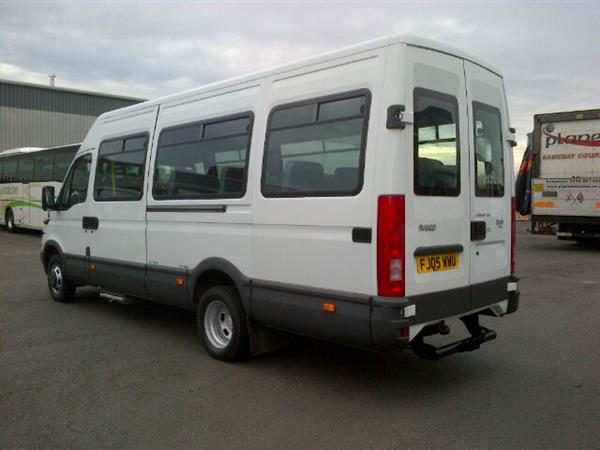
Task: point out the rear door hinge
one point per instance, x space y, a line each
398 117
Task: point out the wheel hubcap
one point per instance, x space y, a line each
55 279
218 324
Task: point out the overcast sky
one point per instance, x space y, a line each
548 51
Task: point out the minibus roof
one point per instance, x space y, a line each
385 41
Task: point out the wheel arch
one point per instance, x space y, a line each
214 272
8 211
50 249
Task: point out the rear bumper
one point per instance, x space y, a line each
395 321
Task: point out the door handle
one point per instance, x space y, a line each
478 230
362 235
89 223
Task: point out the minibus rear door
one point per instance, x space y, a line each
437 255
490 166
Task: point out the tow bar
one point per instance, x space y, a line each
479 335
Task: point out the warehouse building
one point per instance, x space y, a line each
34 115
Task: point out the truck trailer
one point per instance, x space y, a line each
565 186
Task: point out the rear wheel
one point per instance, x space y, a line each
9 220
221 322
61 289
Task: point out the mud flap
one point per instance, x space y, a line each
264 340
479 335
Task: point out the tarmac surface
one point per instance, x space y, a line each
91 374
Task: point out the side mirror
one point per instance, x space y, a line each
48 203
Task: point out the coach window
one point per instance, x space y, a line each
44 168
120 169
9 174
75 188
203 159
316 148
489 160
62 161
436 144
25 171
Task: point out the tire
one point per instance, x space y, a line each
221 322
9 220
61 289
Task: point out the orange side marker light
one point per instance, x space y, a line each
329 307
179 281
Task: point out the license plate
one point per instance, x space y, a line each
435 263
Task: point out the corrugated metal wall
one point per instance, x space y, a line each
40 116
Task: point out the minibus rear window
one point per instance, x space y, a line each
203 160
489 158
316 147
436 144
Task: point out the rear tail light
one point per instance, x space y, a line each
513 236
390 245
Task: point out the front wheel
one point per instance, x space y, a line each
9 220
221 322
61 290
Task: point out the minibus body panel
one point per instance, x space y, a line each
184 232
239 187
117 247
308 248
66 233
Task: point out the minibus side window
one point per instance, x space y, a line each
489 158
203 160
436 144
74 190
120 169
316 147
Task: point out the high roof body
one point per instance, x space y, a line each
385 41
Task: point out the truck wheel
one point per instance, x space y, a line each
61 290
9 220
221 322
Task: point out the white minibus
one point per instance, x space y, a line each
363 197
23 173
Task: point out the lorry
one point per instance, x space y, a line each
565 186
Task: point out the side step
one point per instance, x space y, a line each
122 299
479 335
